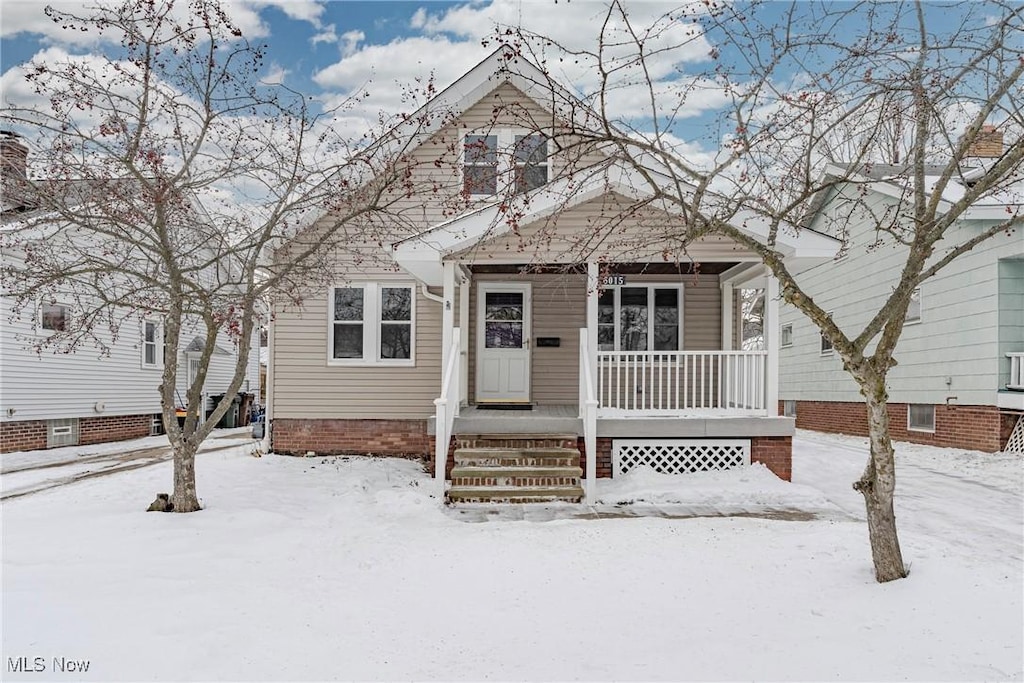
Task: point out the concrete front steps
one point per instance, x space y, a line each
516 468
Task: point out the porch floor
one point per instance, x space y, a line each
543 419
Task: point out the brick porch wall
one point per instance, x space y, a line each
401 438
979 428
604 457
30 435
775 453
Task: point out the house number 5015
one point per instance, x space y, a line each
613 280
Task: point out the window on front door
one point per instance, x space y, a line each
503 320
640 318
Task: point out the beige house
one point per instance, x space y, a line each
519 346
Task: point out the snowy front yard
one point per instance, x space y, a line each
316 569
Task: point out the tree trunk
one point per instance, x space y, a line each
184 496
877 485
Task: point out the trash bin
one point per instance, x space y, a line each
230 419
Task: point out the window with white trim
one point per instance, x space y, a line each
531 162
826 343
921 417
499 152
371 323
480 171
53 317
647 318
152 341
789 408
786 335
914 307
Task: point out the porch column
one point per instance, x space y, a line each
593 275
770 330
447 313
727 316
464 326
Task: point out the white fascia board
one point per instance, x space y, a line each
992 212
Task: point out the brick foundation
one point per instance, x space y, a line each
401 438
978 428
30 435
26 435
113 428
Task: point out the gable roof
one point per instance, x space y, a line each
421 255
894 181
500 67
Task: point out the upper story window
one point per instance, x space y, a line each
488 158
480 172
531 162
53 317
371 323
645 318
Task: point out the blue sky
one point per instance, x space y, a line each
329 49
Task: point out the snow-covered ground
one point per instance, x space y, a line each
347 568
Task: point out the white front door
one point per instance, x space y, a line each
503 342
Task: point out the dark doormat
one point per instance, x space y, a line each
504 406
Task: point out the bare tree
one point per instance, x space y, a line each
171 181
813 98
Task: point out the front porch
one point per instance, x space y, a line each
513 365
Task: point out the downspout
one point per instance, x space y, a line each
268 413
427 294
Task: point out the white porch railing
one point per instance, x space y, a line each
588 413
446 409
1016 370
658 382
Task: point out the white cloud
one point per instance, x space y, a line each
350 41
326 35
452 41
275 75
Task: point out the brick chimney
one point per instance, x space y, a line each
988 144
13 156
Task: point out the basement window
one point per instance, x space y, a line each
789 408
921 417
62 432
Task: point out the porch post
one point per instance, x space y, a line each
447 313
593 273
727 316
770 331
464 326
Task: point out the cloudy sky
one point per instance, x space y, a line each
331 48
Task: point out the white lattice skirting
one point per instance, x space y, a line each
679 456
1015 444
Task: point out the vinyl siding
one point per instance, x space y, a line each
1011 312
605 228
957 337
559 310
52 385
305 386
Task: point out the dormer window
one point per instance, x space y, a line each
521 159
531 160
480 174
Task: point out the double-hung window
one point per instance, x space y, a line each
647 318
371 323
531 162
53 317
151 343
914 307
506 156
480 172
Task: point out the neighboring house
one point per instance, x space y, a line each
958 381
52 399
611 355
